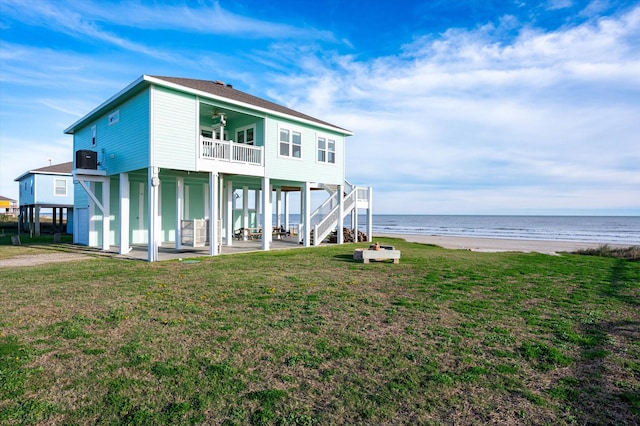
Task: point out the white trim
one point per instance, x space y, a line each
114 117
94 135
244 130
55 187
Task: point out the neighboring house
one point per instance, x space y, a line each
8 206
166 151
49 187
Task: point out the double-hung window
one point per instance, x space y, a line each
290 143
60 187
326 150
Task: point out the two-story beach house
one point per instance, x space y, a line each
163 161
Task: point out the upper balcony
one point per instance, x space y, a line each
231 154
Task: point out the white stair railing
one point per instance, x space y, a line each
329 222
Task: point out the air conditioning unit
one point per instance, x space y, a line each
86 159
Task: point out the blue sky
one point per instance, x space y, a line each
458 107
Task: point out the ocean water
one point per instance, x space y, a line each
594 229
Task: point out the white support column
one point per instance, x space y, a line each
245 210
278 207
179 211
229 215
257 204
125 202
106 214
307 214
286 211
213 217
152 223
205 199
93 201
340 226
354 220
301 220
370 215
266 214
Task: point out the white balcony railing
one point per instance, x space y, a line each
217 149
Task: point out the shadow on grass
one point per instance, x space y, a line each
345 258
603 388
606 389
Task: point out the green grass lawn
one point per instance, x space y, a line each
308 336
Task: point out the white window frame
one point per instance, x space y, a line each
94 135
56 182
326 151
289 142
114 117
244 131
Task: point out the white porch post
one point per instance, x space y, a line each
124 213
229 224
286 211
152 245
354 220
257 204
370 215
301 220
245 210
93 239
278 207
307 214
266 214
214 214
205 199
106 214
339 231
179 211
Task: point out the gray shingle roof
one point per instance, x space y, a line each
56 168
218 88
62 168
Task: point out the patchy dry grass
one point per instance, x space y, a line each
307 337
605 250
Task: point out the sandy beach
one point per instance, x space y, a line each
496 244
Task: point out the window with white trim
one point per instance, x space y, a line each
60 187
290 143
94 135
326 150
114 117
246 134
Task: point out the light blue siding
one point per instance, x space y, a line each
45 190
81 198
122 146
175 129
26 196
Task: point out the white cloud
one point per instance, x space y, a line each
554 109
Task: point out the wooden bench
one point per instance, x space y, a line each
377 255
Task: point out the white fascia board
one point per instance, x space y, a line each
208 95
35 172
